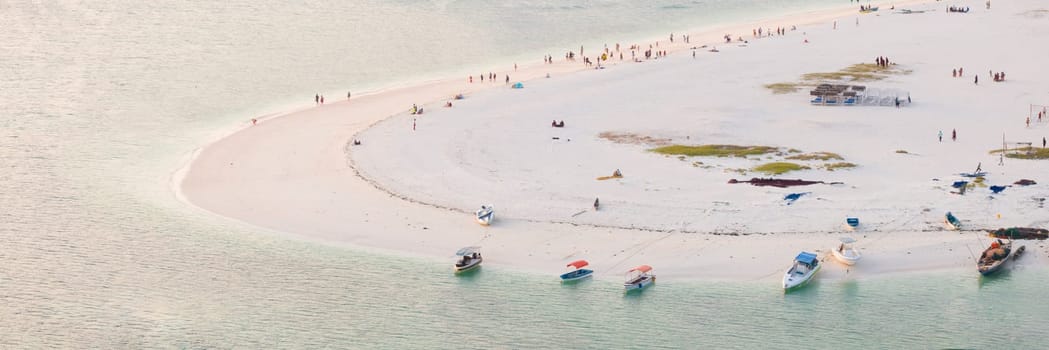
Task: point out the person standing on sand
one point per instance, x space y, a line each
954 134
515 67
347 95
941 135
507 78
317 99
1043 141
976 80
322 99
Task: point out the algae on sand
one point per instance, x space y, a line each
714 150
778 168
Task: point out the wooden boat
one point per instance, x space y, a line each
994 257
846 253
469 258
639 278
578 272
485 215
852 223
951 222
806 265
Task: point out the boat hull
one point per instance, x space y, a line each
846 259
792 281
990 269
576 275
472 265
639 285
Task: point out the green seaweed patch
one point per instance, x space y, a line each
1025 153
714 150
902 151
777 168
839 165
824 156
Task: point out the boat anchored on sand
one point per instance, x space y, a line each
852 223
846 252
951 222
485 215
995 256
469 258
806 265
638 278
578 272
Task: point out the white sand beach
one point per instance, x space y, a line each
412 189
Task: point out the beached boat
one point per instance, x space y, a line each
846 253
951 222
994 257
485 215
578 272
852 223
469 258
639 278
806 265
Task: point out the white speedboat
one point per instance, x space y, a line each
639 278
578 272
469 258
806 265
846 253
485 215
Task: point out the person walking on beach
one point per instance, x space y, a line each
347 95
1028 121
413 124
317 99
976 80
322 99
507 78
515 67
1043 141
941 135
954 134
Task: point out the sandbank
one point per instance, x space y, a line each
412 191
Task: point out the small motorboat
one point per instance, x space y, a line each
639 278
806 265
951 222
485 215
994 257
469 258
846 253
578 272
852 223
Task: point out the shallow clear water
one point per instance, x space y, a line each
100 101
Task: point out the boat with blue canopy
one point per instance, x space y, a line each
805 266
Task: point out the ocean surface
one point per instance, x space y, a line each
102 101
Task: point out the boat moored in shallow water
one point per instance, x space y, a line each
639 278
469 258
578 272
806 265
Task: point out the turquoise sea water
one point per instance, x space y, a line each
100 101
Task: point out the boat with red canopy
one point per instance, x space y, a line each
639 278
578 271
